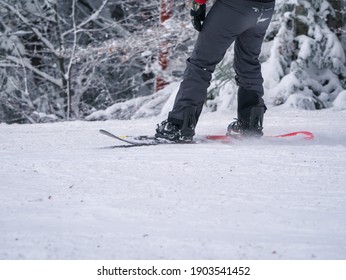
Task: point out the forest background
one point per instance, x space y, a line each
116 59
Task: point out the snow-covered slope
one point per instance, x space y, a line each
63 196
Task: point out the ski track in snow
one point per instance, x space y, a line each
63 196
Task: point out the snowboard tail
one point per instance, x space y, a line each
307 135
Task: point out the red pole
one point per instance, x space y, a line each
165 14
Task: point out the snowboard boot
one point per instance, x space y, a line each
251 127
167 130
178 131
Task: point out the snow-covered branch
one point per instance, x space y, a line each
89 19
34 29
42 74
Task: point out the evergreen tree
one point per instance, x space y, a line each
306 64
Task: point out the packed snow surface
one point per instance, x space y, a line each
66 195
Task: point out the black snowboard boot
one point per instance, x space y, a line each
177 130
250 127
168 130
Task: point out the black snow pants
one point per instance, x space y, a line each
239 21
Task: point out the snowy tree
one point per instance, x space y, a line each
306 63
81 56
38 43
166 47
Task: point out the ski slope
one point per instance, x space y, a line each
65 195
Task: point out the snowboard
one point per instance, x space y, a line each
147 140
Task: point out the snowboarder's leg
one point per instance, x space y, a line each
247 49
223 23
